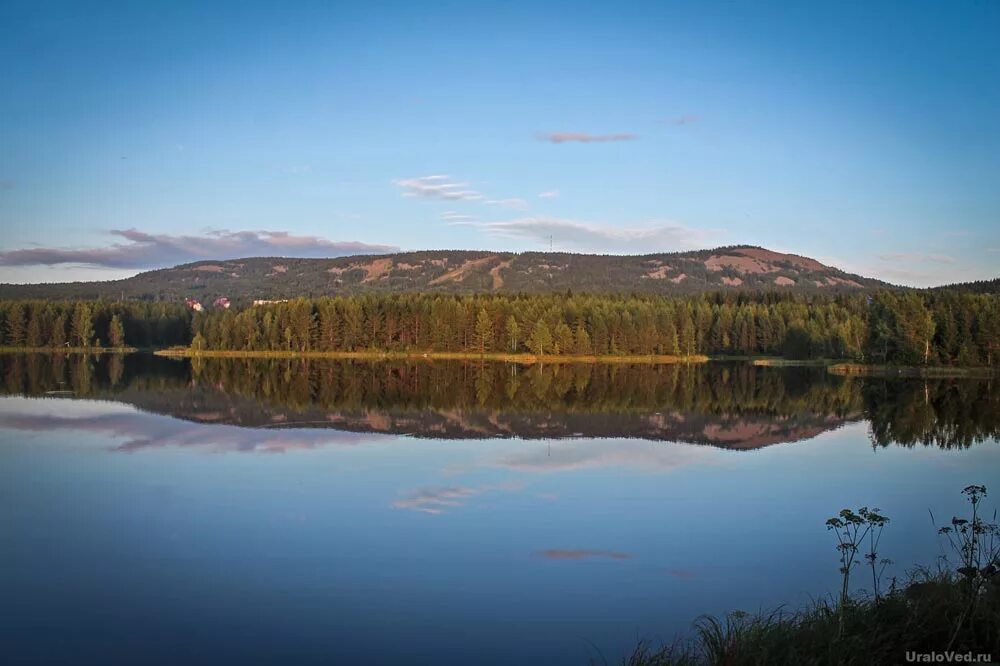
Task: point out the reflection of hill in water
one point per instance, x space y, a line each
735 406
736 431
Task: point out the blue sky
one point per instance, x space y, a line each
134 135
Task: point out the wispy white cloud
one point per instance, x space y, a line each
585 236
583 137
140 249
453 217
437 187
444 188
569 456
548 194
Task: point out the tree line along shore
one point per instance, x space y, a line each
887 329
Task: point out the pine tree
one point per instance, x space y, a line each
688 343
540 341
33 332
116 332
669 338
581 343
933 327
16 325
512 333
562 342
82 326
483 337
57 337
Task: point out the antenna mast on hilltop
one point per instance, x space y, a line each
550 242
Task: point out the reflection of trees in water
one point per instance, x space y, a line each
949 413
718 389
728 404
88 375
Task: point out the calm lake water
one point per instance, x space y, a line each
236 511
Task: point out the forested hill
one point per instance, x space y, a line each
977 287
448 271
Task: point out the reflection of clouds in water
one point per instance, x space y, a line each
61 406
438 499
144 431
564 456
582 454
141 430
561 554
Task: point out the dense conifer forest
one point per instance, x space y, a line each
940 328
83 324
892 327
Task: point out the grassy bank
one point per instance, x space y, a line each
778 362
954 609
863 370
525 359
918 617
68 350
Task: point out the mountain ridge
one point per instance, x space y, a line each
467 271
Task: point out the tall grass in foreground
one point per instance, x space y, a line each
954 607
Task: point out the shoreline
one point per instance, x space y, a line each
929 372
524 359
833 366
68 350
778 362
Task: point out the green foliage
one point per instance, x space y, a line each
562 339
581 341
83 323
910 328
16 324
911 618
553 400
925 329
575 324
852 531
483 338
976 542
934 328
116 332
540 341
513 333
57 331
